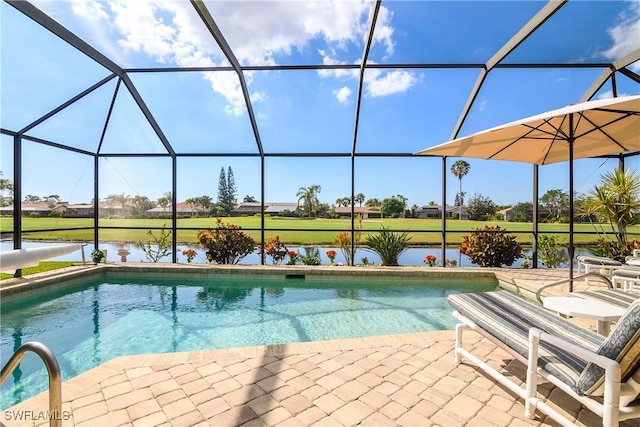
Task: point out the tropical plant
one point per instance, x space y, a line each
156 247
490 247
225 244
389 245
548 251
275 249
309 198
359 199
166 200
343 240
615 201
459 169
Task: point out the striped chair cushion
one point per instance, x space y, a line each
623 346
597 260
627 271
508 318
612 296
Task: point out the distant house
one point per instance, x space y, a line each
80 211
365 211
506 214
182 210
435 211
271 208
36 209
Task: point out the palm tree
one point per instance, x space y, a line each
309 198
615 200
359 199
459 169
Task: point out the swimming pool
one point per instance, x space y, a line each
93 322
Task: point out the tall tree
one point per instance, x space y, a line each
555 201
222 188
232 192
459 169
6 185
359 199
141 204
165 201
309 198
373 203
249 199
393 207
118 198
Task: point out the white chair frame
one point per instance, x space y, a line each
616 394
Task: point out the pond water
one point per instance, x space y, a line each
412 256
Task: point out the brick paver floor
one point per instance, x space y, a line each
378 381
396 380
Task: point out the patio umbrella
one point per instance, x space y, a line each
588 129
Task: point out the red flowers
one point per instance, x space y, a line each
293 257
190 254
430 260
331 254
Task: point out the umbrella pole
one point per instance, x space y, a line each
571 248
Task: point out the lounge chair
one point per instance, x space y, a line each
602 373
595 263
626 277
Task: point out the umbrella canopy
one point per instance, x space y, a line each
589 129
596 128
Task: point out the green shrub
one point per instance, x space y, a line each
548 252
490 247
275 249
225 244
311 260
156 247
388 245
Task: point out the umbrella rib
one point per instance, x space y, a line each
601 129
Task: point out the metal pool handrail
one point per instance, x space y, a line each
567 280
53 369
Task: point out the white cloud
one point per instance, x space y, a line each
343 94
383 84
170 32
625 34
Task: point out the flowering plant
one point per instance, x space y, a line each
190 254
97 255
332 255
430 260
293 257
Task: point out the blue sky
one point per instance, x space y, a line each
403 110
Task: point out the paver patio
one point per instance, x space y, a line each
407 379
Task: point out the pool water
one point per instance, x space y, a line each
95 322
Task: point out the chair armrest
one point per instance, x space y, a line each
612 374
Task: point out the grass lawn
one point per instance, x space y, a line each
290 230
40 268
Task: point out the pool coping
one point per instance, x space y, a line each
27 286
